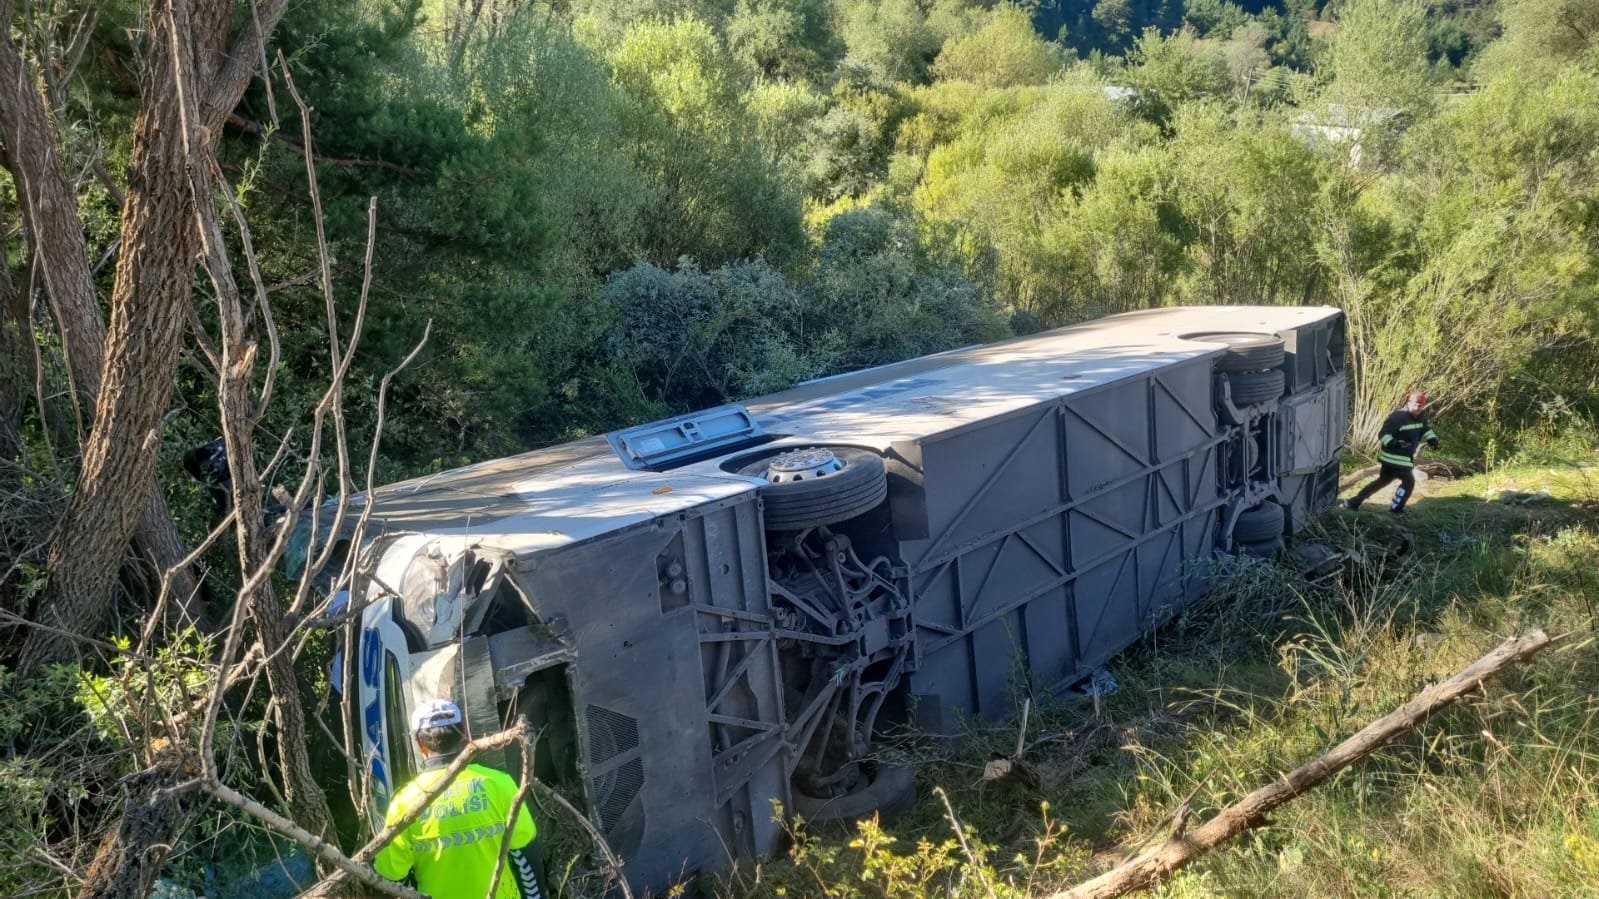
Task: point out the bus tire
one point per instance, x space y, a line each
1251 388
1245 351
890 791
1262 523
860 485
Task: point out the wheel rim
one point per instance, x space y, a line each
802 465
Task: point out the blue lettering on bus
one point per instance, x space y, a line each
372 712
371 657
373 716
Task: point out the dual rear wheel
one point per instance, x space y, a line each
1259 530
1251 365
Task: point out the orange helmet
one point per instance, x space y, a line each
1416 401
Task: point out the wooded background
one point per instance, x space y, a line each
604 211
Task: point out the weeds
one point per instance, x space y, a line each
1561 435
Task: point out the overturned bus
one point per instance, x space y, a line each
708 613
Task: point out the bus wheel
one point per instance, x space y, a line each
1255 387
1260 524
890 790
1265 549
1245 351
816 486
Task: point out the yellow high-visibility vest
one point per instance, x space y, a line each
454 844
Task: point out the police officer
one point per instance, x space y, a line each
453 846
1399 441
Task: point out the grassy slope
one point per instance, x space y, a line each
1491 798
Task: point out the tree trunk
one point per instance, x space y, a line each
50 213
55 232
149 306
16 355
239 414
129 858
148 314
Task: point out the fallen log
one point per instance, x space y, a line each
1450 468
1443 469
129 857
1158 863
1358 477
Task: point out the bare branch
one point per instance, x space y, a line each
1157 864
527 740
247 245
323 850
960 834
613 861
13 618
266 68
168 575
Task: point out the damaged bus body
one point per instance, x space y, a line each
709 613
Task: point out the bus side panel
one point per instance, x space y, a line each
672 624
1057 535
1314 418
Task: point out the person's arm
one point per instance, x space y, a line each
525 858
524 830
394 861
1389 432
527 870
1430 436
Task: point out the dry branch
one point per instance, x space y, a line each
358 867
1160 862
528 741
323 850
960 834
612 860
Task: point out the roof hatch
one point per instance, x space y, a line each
671 442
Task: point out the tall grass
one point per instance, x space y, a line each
1492 797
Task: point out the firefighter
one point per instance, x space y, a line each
208 464
453 846
1401 437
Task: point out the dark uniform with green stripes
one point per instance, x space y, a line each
1402 435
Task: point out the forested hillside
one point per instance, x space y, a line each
614 211
475 227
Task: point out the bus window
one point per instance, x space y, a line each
401 770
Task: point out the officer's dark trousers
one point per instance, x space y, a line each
1390 473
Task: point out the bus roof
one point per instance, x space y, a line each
579 490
